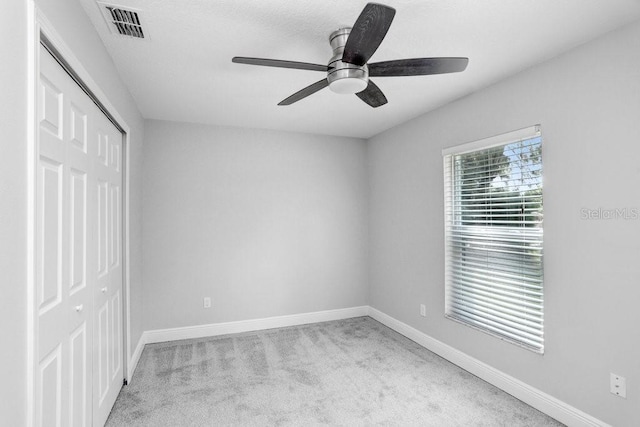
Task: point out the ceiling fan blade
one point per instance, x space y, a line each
279 63
367 33
309 90
372 95
417 67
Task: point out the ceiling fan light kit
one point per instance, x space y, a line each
343 77
348 70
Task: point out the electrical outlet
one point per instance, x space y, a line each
207 302
423 310
618 385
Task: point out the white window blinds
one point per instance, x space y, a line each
493 236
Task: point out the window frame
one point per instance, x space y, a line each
450 194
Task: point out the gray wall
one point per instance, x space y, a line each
13 212
588 102
266 223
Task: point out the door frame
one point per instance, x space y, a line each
41 31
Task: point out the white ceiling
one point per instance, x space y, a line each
183 70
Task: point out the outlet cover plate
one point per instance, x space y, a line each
618 385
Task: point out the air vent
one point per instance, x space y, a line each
123 21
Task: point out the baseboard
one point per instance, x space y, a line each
200 331
543 402
135 357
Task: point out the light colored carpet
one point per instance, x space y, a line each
354 372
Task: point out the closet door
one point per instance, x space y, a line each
107 295
69 302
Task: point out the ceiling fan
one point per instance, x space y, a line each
348 71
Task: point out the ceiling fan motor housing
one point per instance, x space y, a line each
344 77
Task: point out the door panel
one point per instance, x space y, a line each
78 128
78 306
115 336
50 108
50 386
50 283
114 236
78 229
78 402
102 246
102 360
102 147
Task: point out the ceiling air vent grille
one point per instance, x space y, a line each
123 21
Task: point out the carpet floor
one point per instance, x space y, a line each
354 372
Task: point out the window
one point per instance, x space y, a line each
493 236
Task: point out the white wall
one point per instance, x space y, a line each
13 212
588 102
266 223
74 26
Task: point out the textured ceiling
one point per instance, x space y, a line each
183 70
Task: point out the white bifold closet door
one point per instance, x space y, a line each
78 307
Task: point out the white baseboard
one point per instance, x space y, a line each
201 331
135 357
551 406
